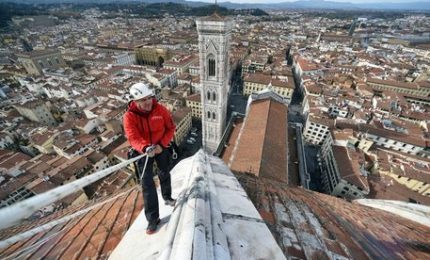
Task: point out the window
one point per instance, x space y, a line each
213 96
208 95
209 115
213 115
211 66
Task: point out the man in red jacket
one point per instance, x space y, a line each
149 129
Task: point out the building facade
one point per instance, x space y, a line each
256 82
124 59
195 103
406 88
37 111
343 172
183 120
35 61
180 63
214 42
152 56
315 132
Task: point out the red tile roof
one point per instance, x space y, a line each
195 98
312 225
180 114
387 188
268 79
262 146
91 235
407 85
13 160
349 162
230 143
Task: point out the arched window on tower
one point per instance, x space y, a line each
208 95
209 115
213 116
211 66
213 96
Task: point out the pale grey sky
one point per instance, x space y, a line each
280 1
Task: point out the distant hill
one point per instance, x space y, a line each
143 10
416 5
303 4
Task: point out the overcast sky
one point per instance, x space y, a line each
279 1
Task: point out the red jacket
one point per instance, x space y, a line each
148 128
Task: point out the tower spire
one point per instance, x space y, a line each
214 43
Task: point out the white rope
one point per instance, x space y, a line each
15 213
143 171
45 227
28 248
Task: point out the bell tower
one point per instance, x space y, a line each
214 42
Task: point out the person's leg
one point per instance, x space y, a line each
163 163
150 197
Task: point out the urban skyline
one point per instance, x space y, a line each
300 133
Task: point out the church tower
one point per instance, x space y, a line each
214 43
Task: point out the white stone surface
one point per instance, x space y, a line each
414 212
214 44
249 239
213 219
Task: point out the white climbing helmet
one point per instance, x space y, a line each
139 91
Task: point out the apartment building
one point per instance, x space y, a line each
195 103
180 63
317 128
34 62
152 56
388 134
256 82
406 88
343 167
37 111
183 120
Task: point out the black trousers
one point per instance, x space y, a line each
150 197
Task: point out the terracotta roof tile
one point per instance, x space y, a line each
180 114
389 189
349 163
230 143
261 147
268 79
311 225
93 234
195 98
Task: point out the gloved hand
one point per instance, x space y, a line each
150 151
158 149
